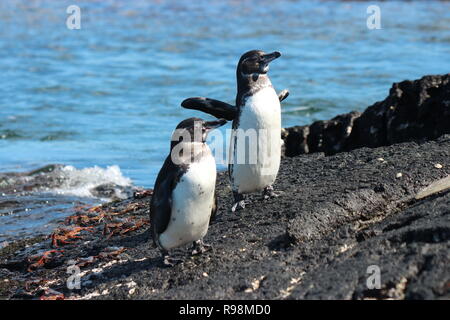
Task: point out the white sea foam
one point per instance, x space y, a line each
294 109
81 182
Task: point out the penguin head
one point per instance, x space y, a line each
194 130
256 62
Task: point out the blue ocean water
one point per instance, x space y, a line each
109 93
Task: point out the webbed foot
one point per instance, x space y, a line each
239 202
200 247
269 193
169 261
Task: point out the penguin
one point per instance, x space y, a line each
184 200
257 108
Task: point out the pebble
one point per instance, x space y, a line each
399 175
438 166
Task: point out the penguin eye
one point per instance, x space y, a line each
251 60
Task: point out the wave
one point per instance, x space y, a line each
33 202
93 182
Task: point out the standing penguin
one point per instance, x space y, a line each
183 199
253 166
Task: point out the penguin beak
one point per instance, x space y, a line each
269 57
210 125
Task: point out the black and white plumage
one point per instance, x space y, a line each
257 108
217 108
183 201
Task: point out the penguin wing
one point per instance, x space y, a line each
218 109
214 209
161 203
283 94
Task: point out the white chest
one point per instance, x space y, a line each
256 144
192 201
261 111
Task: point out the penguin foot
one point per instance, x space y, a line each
169 261
200 247
239 202
269 193
239 205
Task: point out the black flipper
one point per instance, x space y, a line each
213 107
214 209
219 109
161 203
283 94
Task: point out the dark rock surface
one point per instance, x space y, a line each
335 217
414 110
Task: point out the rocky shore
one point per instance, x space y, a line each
414 110
360 190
